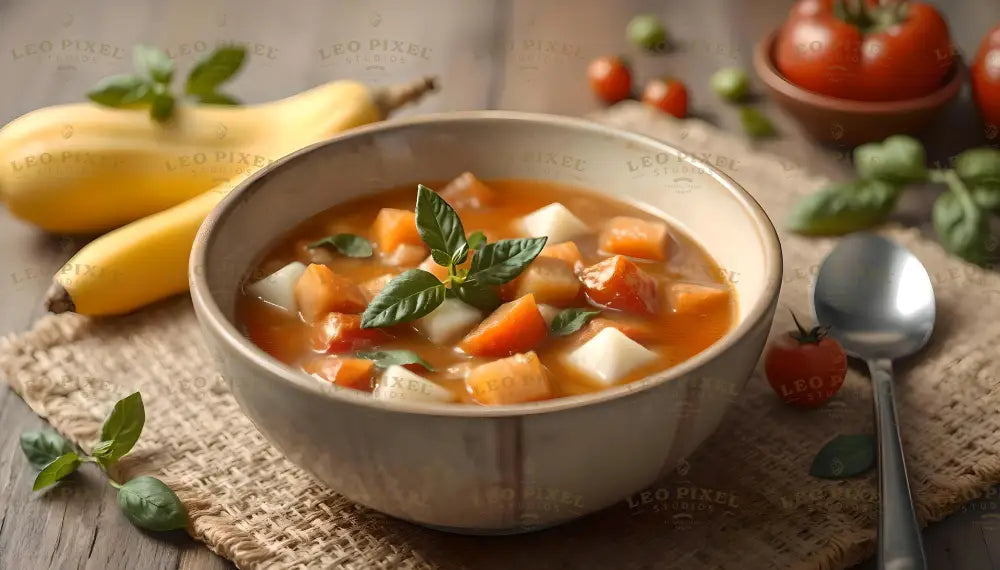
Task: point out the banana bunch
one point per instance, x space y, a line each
82 168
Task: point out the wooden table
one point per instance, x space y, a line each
508 54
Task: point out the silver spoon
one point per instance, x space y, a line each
878 301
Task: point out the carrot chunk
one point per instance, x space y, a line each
393 228
634 237
551 281
339 332
467 191
639 331
692 299
512 380
516 326
619 283
566 251
347 372
319 291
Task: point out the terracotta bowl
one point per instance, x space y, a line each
478 469
846 121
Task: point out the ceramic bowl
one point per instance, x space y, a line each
849 122
473 469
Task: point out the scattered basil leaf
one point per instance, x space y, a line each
439 225
387 358
477 239
568 321
843 208
151 505
56 469
987 197
647 32
898 159
350 245
961 227
141 95
214 69
482 297
844 456
121 430
499 262
115 91
441 258
979 166
154 62
408 297
730 83
216 99
43 447
162 107
755 124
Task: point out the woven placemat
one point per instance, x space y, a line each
744 500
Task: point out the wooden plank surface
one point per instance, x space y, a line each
510 54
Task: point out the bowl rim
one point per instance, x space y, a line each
767 70
210 314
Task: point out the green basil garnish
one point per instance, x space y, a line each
844 456
350 245
440 227
387 358
499 262
477 240
843 208
43 447
408 297
482 297
148 503
121 430
961 226
56 470
897 160
568 321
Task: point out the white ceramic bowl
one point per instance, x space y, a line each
488 469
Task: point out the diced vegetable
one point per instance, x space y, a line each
319 291
339 332
619 283
405 255
398 383
690 298
373 287
308 254
512 380
549 279
566 251
347 372
439 271
449 321
393 228
278 288
634 237
548 313
467 191
609 357
554 221
635 329
516 326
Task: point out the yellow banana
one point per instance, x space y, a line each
82 168
146 260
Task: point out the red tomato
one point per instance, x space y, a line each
906 55
986 81
805 368
610 79
667 95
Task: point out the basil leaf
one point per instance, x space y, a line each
153 62
43 447
215 98
163 107
979 166
477 239
121 430
408 297
480 296
386 358
987 197
151 505
499 262
730 83
115 91
441 258
755 123
568 321
898 159
843 208
439 225
214 69
56 469
350 245
961 227
844 456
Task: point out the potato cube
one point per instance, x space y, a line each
399 384
554 221
467 191
278 288
449 321
405 255
609 357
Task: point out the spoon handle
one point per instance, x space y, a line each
899 543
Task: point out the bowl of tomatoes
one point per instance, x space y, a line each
855 71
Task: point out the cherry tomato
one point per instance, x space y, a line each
875 51
986 81
610 79
805 368
667 95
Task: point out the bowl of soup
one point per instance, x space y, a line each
486 322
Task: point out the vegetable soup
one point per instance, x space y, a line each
487 293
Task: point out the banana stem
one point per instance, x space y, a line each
390 98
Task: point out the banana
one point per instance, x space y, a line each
146 260
83 168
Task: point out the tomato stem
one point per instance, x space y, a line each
811 336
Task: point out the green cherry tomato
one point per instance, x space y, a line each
647 32
731 83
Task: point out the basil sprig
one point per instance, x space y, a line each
416 293
146 501
155 71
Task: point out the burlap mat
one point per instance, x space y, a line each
745 500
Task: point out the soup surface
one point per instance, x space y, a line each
614 295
